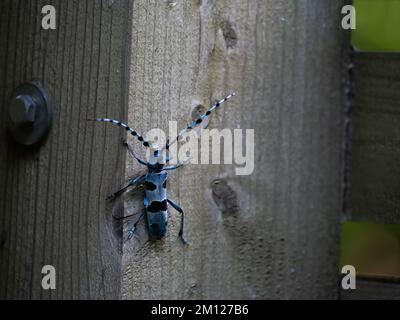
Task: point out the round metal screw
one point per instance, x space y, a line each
30 113
22 110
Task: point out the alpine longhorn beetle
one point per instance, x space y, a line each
155 180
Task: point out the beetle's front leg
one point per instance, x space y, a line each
130 150
180 164
134 182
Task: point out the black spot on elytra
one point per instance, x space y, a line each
140 138
150 186
156 206
164 185
146 144
217 105
208 113
199 121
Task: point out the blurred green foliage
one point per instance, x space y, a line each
373 249
378 25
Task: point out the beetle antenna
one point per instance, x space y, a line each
199 120
126 127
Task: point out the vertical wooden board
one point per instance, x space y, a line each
374 184
276 234
52 196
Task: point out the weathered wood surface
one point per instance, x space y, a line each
52 198
374 184
279 237
372 289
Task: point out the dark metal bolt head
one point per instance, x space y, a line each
22 110
30 113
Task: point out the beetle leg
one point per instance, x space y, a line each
125 217
133 153
180 164
171 168
179 209
132 231
134 182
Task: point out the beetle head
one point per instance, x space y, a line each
157 155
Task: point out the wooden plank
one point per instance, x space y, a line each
52 197
373 191
372 289
284 60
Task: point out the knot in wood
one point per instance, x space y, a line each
225 198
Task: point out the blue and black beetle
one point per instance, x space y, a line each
155 180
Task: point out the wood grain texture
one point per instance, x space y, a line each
284 60
374 184
52 197
370 289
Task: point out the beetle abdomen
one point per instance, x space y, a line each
158 224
